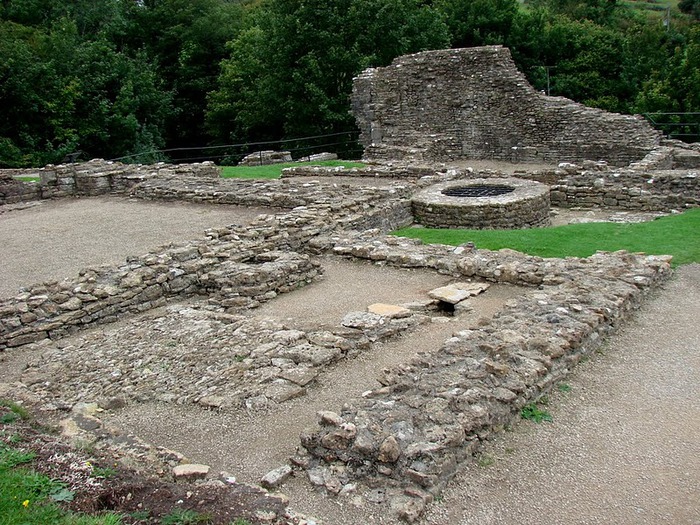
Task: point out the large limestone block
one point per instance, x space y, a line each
389 310
449 294
457 292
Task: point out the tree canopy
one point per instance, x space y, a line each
111 78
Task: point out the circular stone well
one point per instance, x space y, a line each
496 203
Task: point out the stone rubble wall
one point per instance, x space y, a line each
400 444
235 361
220 264
262 158
585 185
404 440
662 191
474 104
96 177
316 207
319 157
104 294
670 155
597 185
13 191
382 171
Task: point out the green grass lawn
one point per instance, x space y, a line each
27 497
274 171
677 235
27 179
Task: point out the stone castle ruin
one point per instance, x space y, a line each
473 103
399 444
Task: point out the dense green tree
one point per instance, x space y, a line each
601 12
120 77
478 22
60 94
675 87
690 7
187 40
34 101
290 73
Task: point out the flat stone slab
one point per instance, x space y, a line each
449 294
190 471
362 320
457 292
389 310
281 390
275 478
472 288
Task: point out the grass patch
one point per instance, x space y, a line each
185 517
18 411
534 413
485 460
30 498
676 235
274 171
27 497
27 179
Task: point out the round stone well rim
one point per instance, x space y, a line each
522 190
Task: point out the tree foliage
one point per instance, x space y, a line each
62 92
290 72
691 7
124 77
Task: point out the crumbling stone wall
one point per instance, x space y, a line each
405 440
101 295
261 158
474 104
231 263
96 177
13 190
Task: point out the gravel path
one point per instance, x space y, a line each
623 447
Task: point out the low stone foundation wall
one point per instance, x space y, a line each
656 191
236 361
262 158
401 442
96 177
102 295
404 441
655 184
13 191
224 264
525 205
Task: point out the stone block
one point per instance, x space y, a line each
190 472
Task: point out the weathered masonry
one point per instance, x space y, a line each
400 444
474 104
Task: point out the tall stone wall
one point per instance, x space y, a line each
474 104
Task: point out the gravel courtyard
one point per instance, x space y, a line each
623 447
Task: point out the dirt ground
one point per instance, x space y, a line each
54 239
622 448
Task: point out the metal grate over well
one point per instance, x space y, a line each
480 190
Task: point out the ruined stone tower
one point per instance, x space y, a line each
474 104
